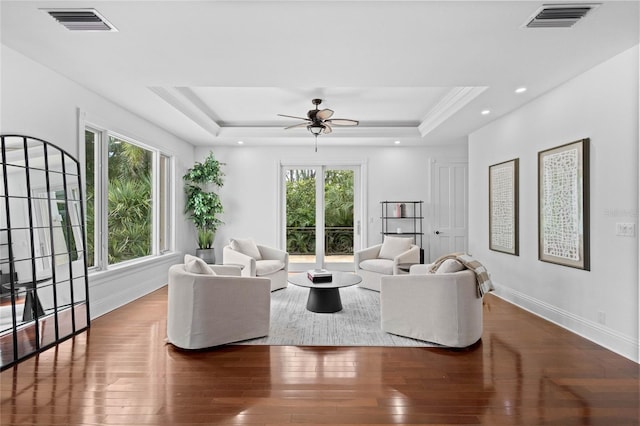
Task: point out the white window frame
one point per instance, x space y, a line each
101 196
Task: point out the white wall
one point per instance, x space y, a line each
601 104
38 102
252 179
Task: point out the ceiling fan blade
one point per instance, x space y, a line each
327 129
297 125
323 114
292 116
343 122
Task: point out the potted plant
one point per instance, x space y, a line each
202 204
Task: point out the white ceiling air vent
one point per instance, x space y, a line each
559 15
81 19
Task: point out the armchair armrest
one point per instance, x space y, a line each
410 256
367 253
272 253
232 257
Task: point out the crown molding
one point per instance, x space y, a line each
452 102
338 132
183 102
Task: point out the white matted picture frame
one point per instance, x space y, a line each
503 207
563 205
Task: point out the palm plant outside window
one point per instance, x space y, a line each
121 204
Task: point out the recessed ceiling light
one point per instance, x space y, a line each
397 142
240 142
485 112
521 89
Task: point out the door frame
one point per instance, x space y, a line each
359 205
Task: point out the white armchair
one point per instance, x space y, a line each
257 260
442 308
215 305
393 257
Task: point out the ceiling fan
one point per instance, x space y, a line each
319 121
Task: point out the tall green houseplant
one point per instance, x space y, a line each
203 205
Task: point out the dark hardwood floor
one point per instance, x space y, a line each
525 371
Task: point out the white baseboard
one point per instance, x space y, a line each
619 343
118 299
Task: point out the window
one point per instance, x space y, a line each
91 137
164 172
322 218
128 199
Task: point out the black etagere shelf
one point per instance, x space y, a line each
403 218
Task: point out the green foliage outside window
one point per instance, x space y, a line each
90 213
301 204
129 201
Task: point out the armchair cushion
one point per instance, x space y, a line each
246 246
381 266
266 267
449 266
420 269
195 265
394 246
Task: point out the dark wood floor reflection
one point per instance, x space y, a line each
525 371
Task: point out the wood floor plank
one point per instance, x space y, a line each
524 371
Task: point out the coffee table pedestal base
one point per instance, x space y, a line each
324 300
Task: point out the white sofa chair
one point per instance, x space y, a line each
442 308
257 260
215 306
393 257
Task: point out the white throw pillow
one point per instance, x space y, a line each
393 246
449 266
195 265
246 246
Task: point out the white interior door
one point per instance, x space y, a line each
448 233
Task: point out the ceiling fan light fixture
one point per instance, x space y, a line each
318 121
315 128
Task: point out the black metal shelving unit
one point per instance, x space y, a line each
407 220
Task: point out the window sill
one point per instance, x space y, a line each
97 277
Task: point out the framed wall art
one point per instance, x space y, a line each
563 205
503 207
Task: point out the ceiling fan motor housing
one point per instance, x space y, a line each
312 114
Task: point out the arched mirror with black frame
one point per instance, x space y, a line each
43 273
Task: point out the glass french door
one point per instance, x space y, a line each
322 211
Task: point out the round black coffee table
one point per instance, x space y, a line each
324 298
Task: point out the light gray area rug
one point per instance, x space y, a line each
358 324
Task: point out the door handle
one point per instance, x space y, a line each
358 228
437 232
